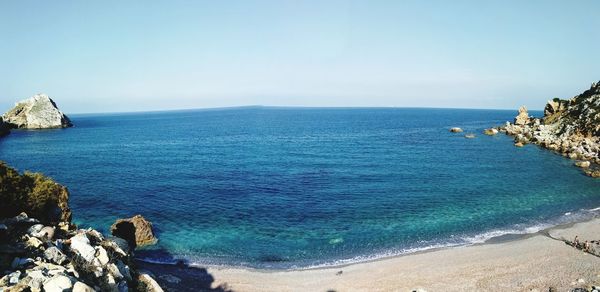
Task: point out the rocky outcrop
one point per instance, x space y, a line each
36 112
523 117
490 131
33 193
4 128
136 230
456 130
569 127
49 253
73 260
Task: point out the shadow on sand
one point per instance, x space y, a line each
178 276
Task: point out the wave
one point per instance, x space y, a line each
421 246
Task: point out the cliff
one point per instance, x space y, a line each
569 127
37 112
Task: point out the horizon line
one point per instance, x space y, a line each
289 107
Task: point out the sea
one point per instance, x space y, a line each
297 188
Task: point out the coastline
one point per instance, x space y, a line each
515 263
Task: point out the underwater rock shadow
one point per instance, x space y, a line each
177 275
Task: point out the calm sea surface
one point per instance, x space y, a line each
290 187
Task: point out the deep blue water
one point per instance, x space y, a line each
291 187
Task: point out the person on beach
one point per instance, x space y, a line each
576 241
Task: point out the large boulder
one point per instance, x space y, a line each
36 112
136 230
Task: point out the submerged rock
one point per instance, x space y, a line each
36 112
136 230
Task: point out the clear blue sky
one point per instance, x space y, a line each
98 56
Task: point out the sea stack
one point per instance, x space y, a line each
36 112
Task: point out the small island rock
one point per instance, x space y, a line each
490 131
36 112
456 130
136 230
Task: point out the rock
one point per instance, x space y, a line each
519 144
490 131
42 232
35 229
117 245
20 262
114 272
58 283
81 245
4 128
102 256
34 242
151 284
37 280
470 136
54 255
37 112
136 230
583 164
82 287
13 278
456 130
523 117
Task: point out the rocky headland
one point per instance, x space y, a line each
569 127
41 250
36 112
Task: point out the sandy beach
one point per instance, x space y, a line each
533 262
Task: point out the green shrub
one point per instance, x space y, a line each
33 193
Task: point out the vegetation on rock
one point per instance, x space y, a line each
33 193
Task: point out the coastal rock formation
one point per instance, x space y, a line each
523 117
136 230
4 128
490 131
569 127
43 255
33 193
456 130
36 112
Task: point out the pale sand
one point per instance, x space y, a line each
533 262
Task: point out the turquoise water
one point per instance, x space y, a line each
292 187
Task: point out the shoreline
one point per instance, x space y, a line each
505 236
538 260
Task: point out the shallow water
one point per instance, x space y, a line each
293 187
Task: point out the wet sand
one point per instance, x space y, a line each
530 263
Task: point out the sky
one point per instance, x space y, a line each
114 56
